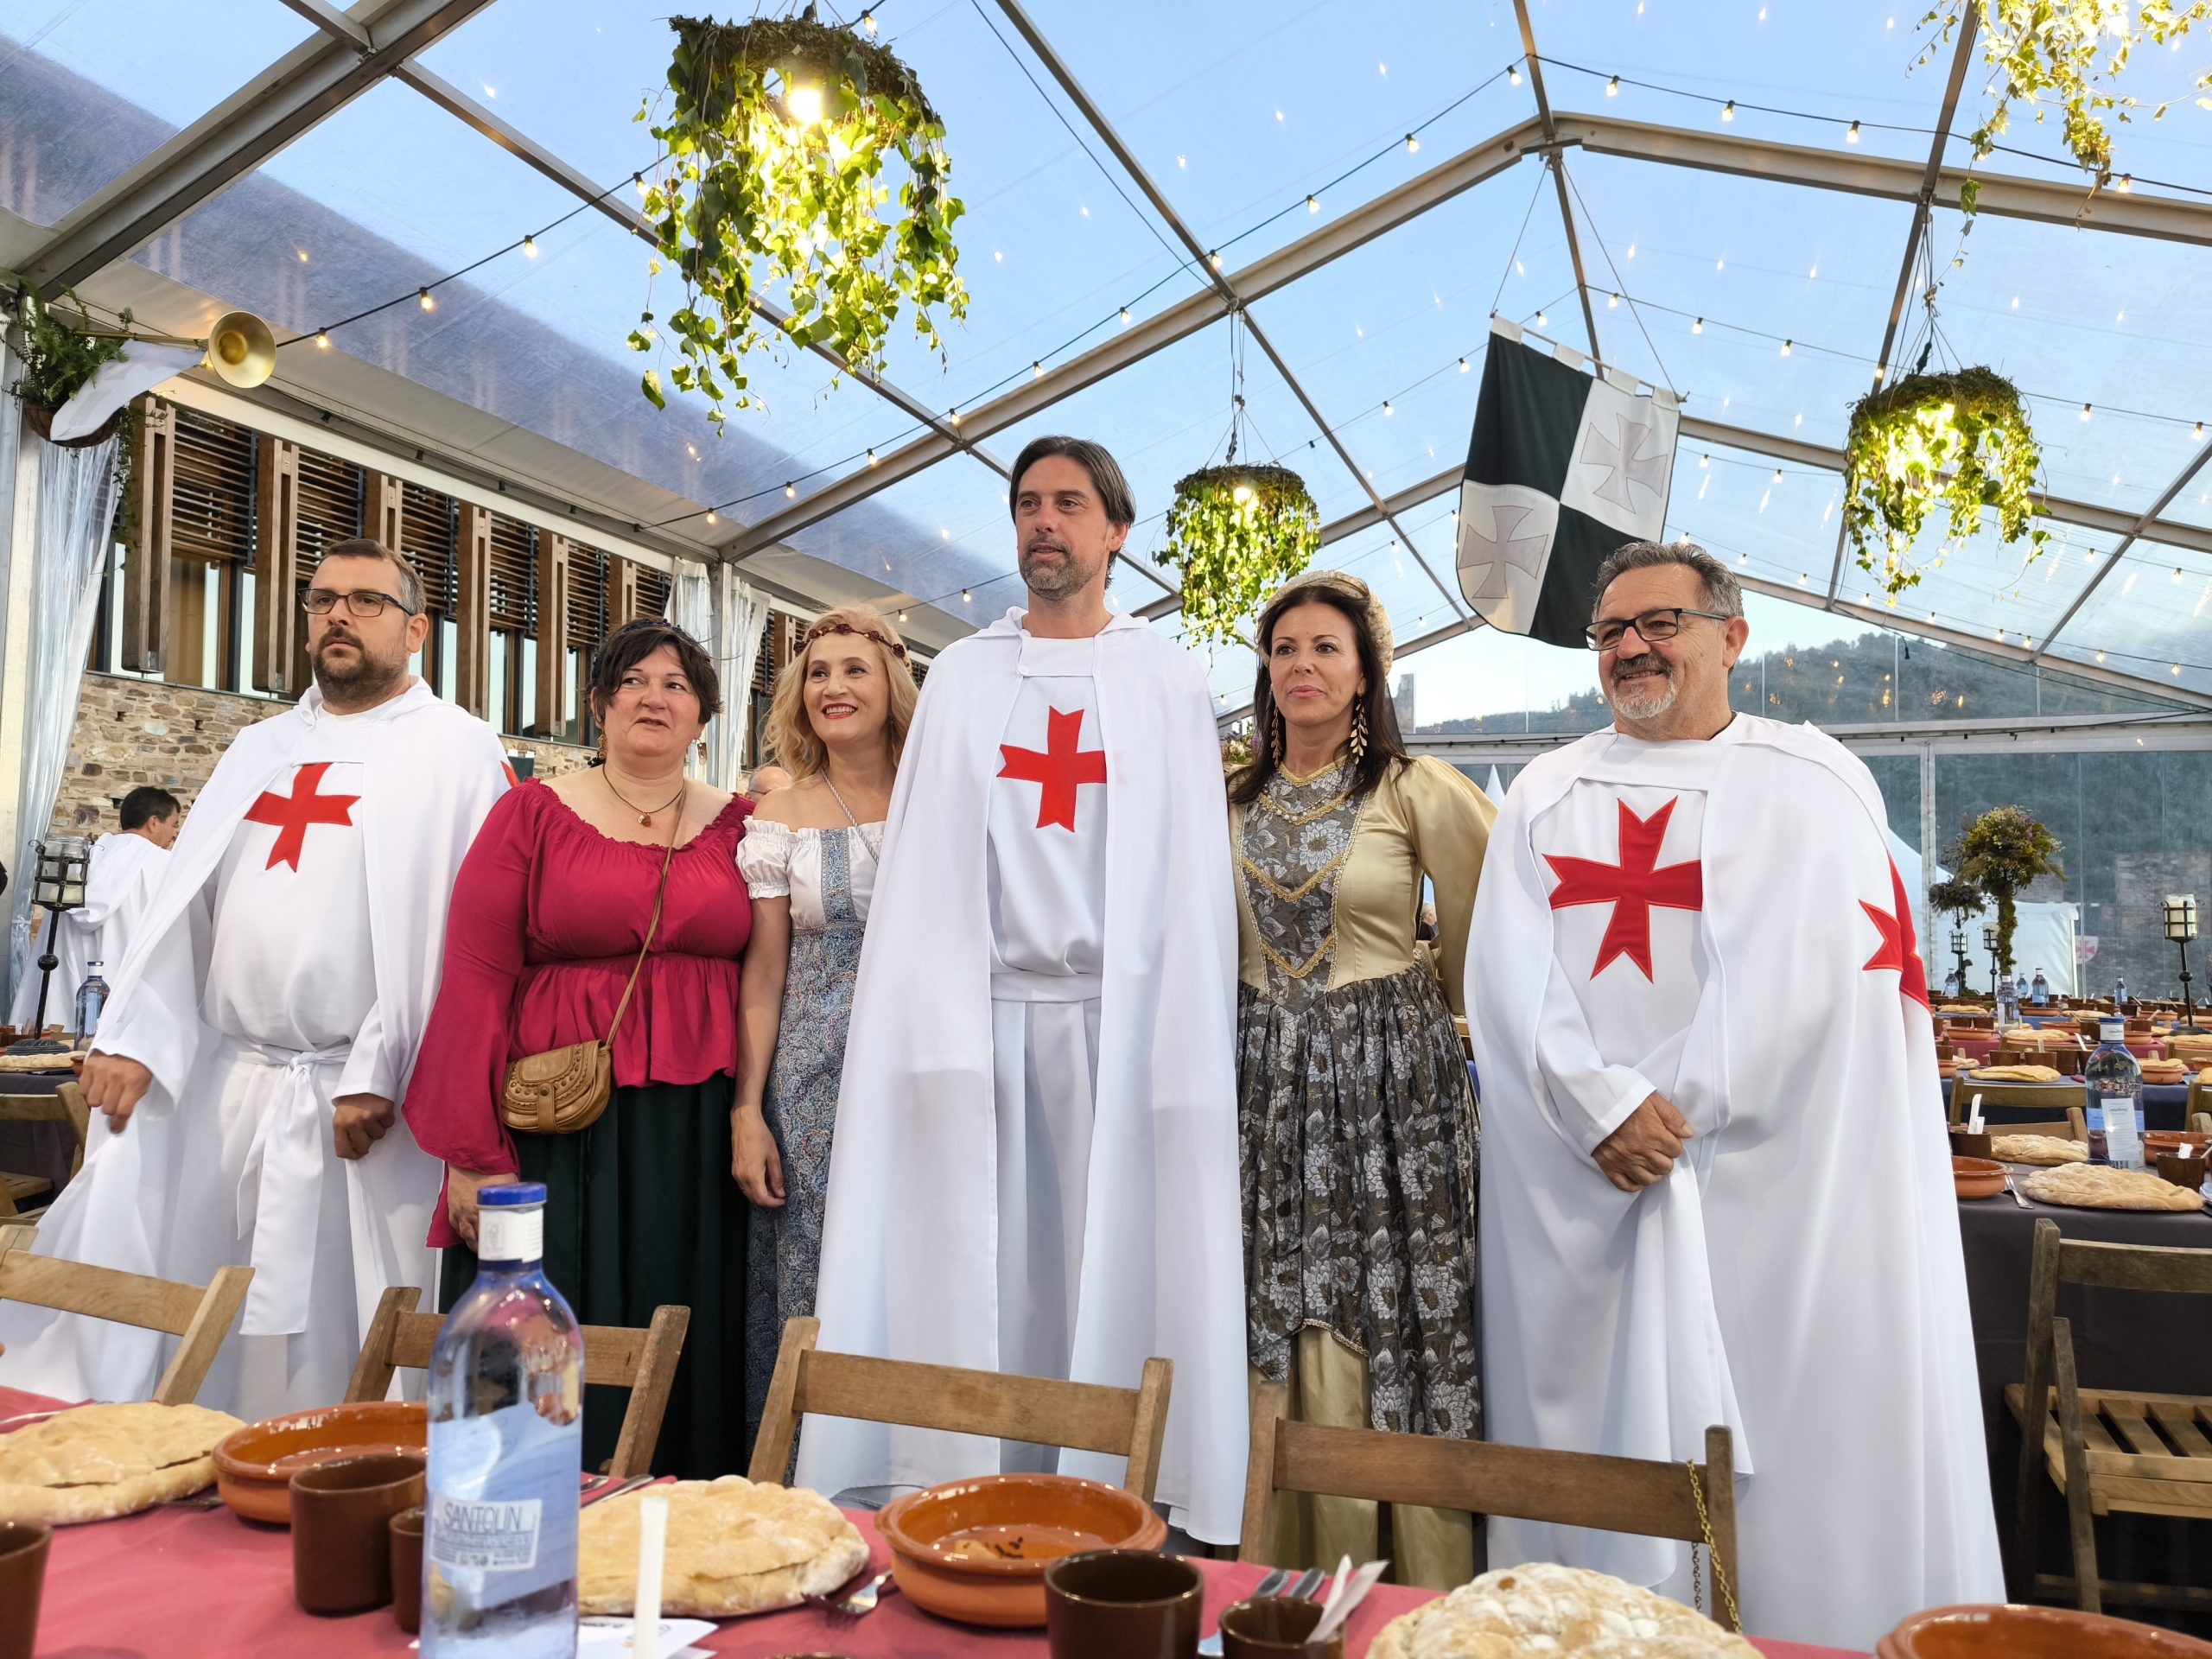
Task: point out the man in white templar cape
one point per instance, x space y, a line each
1715 1185
1035 1163
120 878
267 1017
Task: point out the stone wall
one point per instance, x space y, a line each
130 732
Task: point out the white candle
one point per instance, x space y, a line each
652 1550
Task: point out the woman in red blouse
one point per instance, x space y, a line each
548 911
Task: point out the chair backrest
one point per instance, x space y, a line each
1038 1410
2200 1123
2005 1104
616 1357
1570 1489
200 1316
64 1105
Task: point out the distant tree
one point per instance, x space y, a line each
2000 853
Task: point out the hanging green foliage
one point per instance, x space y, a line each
2000 853
1954 898
1238 533
777 139
58 359
1958 439
2065 55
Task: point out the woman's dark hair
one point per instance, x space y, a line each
634 641
1385 748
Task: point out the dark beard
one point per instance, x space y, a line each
367 681
1055 581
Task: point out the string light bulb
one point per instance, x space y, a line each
1851 136
1542 321
1412 143
422 298
1214 258
1785 347
867 22
530 247
1463 369
2085 411
322 344
1777 474
1387 410
1613 88
2196 432
1036 370
2126 184
1728 111
1125 317
1697 328
1312 204
871 457
790 492
713 517
967 598
1705 461
1513 75
902 617
805 104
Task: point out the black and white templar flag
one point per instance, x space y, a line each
1564 467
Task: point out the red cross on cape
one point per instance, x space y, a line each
292 813
1897 947
1061 768
1632 887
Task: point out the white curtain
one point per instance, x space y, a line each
740 618
75 514
691 607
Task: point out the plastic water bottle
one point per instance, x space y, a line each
1951 986
92 997
2039 990
506 1449
2114 1084
2120 995
2008 1002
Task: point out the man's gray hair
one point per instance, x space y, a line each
1722 592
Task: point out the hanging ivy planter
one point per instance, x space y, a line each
1959 441
1238 533
777 139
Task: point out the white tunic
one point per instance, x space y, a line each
119 878
1048 819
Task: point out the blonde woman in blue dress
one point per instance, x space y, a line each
838 722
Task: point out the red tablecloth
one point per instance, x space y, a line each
127 1588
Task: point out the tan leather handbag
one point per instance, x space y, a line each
563 1091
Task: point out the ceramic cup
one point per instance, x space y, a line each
1964 1145
1269 1627
341 1536
407 1569
2183 1170
23 1574
1122 1604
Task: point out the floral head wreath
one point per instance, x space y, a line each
1351 587
820 629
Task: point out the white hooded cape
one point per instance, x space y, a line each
145 1201
120 881
1799 1275
910 1237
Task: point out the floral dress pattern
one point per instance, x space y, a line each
829 915
1357 1129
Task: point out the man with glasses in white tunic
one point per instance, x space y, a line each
267 1017
1035 1166
1715 1185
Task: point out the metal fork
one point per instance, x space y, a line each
861 1603
1272 1585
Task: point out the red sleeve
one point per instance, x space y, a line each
452 1099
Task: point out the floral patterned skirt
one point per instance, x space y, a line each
1357 1137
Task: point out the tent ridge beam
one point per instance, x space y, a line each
1554 160
308 83
2147 522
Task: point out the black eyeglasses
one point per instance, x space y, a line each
320 601
1607 632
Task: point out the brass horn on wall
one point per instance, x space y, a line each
241 349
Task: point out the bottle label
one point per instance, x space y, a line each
504 1235
502 1520
496 1537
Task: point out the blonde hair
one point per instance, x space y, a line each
789 734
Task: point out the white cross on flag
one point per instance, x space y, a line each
1563 466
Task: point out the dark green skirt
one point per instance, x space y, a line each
641 1211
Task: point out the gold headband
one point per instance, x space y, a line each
1351 587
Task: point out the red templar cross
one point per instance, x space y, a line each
292 813
1060 767
1631 887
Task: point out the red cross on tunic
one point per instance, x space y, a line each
1898 949
1632 886
292 813
1060 767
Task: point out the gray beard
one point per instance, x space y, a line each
1645 705
1055 581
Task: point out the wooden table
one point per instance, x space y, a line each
43 1149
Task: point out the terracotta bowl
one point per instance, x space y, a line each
1977 1178
2031 1633
975 1551
2163 1143
254 1467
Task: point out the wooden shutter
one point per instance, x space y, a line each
552 633
587 600
277 564
427 536
621 592
472 607
653 588
211 501
331 493
146 557
512 566
383 512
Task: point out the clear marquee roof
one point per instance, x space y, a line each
502 116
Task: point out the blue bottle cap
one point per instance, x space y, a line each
513 1193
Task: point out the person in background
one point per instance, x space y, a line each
1716 1186
119 878
551 910
1355 1118
767 779
840 713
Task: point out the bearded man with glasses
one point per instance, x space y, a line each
1715 1188
266 1020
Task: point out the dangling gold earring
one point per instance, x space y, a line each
1358 745
1274 735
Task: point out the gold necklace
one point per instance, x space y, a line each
645 814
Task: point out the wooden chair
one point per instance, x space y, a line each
2106 1451
2201 1122
616 1357
1569 1489
2072 1127
1036 1410
199 1316
2003 1104
66 1105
